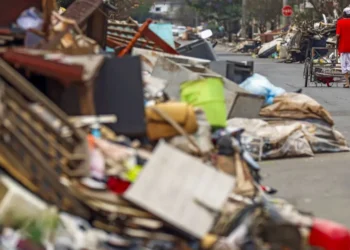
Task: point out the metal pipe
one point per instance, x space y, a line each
244 18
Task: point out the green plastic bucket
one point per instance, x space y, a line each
207 94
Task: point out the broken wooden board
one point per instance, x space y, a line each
149 58
181 190
81 10
33 150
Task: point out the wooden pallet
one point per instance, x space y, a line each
38 145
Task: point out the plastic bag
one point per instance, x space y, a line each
30 19
260 85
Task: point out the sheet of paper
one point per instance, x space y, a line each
181 190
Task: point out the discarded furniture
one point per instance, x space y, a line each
88 14
63 73
38 143
237 72
199 48
120 92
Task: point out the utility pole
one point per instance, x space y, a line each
244 19
285 19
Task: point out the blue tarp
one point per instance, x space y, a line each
164 31
109 49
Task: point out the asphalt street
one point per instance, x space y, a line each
320 184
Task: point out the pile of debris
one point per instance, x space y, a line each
295 45
293 42
144 148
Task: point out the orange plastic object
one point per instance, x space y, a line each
91 141
329 235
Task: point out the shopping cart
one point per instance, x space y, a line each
323 69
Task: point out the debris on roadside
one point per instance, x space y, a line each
147 147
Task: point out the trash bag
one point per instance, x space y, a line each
30 19
297 106
272 141
260 85
322 137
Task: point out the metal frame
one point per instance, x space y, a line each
311 69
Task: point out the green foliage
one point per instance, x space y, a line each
218 9
141 13
264 10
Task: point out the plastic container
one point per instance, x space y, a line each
199 48
328 235
207 94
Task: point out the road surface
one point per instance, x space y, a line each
320 184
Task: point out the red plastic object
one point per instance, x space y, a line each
329 235
326 80
117 185
66 73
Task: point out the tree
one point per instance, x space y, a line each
141 13
226 12
264 11
122 9
220 10
186 15
327 6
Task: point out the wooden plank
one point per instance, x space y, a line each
26 88
174 186
81 10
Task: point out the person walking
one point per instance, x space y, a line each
343 36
